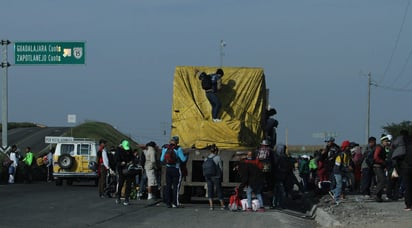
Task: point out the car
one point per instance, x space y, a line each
74 160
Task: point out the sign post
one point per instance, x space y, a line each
4 104
49 53
36 53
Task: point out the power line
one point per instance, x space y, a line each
397 41
393 88
403 68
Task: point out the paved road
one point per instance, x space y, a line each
46 205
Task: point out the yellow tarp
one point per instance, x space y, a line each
243 98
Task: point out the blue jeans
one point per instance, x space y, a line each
337 191
249 197
216 105
141 180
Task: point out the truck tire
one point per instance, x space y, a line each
65 161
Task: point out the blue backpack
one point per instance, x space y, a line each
209 167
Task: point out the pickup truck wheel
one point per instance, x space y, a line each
65 161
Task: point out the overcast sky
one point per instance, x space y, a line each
316 55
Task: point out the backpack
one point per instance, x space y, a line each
209 167
170 155
142 158
207 82
234 201
263 153
369 157
112 160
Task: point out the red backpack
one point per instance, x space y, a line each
170 155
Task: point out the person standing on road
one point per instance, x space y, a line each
337 172
28 162
172 156
215 181
211 88
251 175
150 168
379 166
124 157
14 164
49 165
280 168
103 167
367 169
403 155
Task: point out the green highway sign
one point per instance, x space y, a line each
49 53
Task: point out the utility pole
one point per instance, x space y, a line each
368 117
222 45
4 64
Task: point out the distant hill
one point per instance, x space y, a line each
99 130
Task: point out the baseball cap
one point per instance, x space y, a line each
175 139
329 139
125 145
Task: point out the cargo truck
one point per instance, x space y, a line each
244 102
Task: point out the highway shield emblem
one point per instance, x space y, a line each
78 52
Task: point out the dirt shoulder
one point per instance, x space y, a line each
355 211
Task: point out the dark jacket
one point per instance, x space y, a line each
281 167
407 159
125 156
250 171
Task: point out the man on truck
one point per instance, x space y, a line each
212 84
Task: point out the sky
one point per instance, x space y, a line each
316 56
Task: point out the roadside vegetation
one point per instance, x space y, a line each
99 130
13 125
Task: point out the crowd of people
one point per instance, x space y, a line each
14 158
381 171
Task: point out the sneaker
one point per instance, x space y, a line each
222 208
366 196
174 206
337 203
407 209
117 201
332 195
217 120
126 202
211 209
